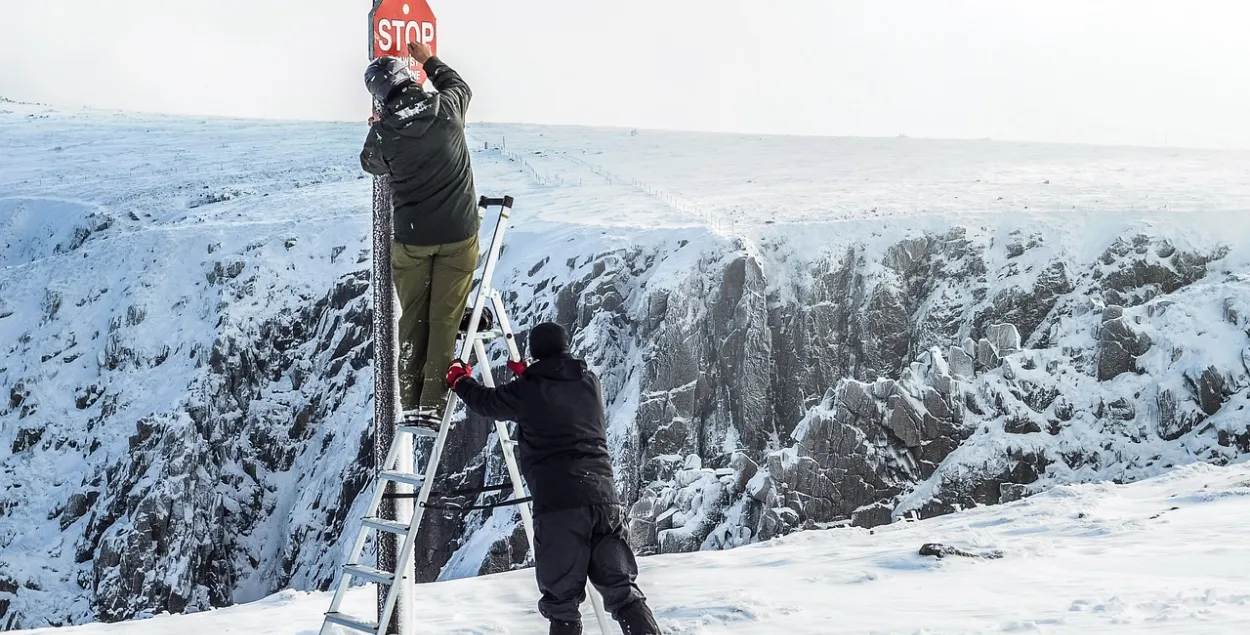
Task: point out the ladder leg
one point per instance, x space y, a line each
404 559
505 445
505 325
484 288
362 536
404 513
600 614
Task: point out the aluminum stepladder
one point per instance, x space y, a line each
397 467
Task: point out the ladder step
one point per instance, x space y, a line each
352 622
418 431
489 335
389 526
415 480
369 573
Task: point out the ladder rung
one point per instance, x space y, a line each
390 526
415 480
376 575
352 622
489 335
418 431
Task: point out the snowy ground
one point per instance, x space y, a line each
1166 555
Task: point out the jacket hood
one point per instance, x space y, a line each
564 368
411 112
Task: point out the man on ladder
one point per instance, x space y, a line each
418 140
580 525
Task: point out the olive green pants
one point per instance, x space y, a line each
433 284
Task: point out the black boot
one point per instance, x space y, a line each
559 627
636 619
484 323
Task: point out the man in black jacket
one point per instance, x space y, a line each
580 526
418 140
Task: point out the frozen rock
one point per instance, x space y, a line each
962 364
1004 337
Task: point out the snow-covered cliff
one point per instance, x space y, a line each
792 333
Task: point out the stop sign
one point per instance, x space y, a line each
398 22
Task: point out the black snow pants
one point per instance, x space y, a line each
573 544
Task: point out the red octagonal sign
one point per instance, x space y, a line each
398 22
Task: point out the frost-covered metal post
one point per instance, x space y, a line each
385 378
392 24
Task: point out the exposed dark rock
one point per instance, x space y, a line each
1004 337
1142 268
1027 310
987 355
962 364
1119 346
1121 410
1021 425
1176 419
1210 389
1010 492
27 438
876 514
941 551
77 506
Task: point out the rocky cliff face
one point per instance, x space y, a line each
189 432
752 393
186 374
754 396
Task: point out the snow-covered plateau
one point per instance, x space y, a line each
1165 555
821 334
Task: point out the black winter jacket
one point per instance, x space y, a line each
419 142
561 439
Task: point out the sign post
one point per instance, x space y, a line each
392 24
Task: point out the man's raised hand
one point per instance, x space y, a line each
420 51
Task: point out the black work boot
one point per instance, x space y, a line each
636 619
485 323
560 627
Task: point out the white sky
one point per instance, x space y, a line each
1098 71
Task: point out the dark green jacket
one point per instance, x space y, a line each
419 142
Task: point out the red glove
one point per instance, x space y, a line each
517 368
459 370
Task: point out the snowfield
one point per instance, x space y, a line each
813 350
1166 555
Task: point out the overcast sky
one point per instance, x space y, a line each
1145 72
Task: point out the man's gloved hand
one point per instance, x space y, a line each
517 368
458 370
419 51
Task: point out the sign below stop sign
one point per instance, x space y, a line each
398 22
